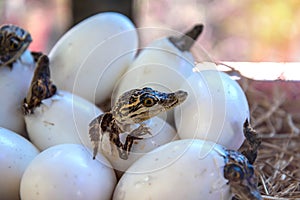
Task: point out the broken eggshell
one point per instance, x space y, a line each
14 84
215 109
161 133
194 165
90 58
62 118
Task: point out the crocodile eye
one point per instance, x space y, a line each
14 43
40 91
149 101
233 172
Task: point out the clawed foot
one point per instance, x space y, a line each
131 138
253 141
102 123
94 133
140 131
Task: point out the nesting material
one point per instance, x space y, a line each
275 115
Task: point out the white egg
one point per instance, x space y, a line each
62 118
15 154
68 171
163 64
215 109
183 169
160 65
90 58
14 84
161 131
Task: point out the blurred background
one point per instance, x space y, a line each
248 30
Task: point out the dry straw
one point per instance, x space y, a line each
278 162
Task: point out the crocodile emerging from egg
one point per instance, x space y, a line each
132 107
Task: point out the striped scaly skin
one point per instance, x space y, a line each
239 170
132 107
13 42
41 86
241 177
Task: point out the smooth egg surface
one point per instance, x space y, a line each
215 110
183 169
15 155
67 171
159 65
14 84
62 118
90 58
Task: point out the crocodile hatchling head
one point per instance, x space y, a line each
13 42
240 175
138 105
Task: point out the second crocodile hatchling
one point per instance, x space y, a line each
16 70
53 116
14 41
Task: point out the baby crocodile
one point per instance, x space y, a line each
132 107
41 86
238 169
13 42
241 177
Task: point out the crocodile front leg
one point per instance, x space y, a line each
132 137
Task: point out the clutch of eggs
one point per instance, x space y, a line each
82 62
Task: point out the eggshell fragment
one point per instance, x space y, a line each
62 118
90 58
214 110
14 84
68 171
183 169
15 154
